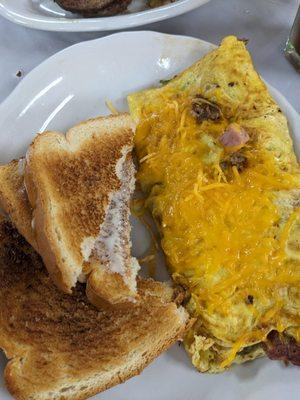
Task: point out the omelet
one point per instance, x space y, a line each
217 166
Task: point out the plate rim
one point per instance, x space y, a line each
88 43
131 20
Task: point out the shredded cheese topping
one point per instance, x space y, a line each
221 229
111 107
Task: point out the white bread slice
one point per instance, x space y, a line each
114 142
79 186
61 347
14 202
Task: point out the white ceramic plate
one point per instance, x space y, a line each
47 15
64 90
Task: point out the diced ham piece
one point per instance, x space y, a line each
234 136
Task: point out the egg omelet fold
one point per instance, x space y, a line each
217 167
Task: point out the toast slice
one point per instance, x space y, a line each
79 188
61 346
14 200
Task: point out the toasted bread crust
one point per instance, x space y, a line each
60 346
13 198
69 181
16 203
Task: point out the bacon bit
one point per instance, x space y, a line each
204 110
237 160
282 347
234 136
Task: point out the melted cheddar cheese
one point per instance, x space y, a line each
226 233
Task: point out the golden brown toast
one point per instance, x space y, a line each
77 217
14 200
62 347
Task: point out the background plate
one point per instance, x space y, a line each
46 15
73 85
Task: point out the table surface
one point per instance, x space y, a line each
265 22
